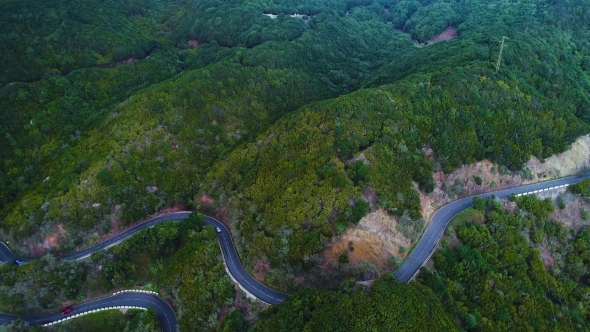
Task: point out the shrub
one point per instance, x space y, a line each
477 180
343 258
561 203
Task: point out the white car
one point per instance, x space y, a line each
218 229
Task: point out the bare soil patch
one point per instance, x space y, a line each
375 240
360 157
129 61
369 196
572 161
546 257
462 182
52 240
448 34
223 213
571 216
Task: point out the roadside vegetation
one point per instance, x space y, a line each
179 260
289 121
286 221
109 320
513 270
388 305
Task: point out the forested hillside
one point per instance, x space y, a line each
47 120
276 118
459 112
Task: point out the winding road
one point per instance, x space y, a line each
419 256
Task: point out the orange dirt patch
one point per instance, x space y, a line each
52 240
223 212
375 239
448 34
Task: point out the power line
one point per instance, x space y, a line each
500 55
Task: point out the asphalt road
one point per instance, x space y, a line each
406 272
165 314
444 215
164 311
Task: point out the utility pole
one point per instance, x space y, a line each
500 55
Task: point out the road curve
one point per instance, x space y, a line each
165 313
444 215
419 256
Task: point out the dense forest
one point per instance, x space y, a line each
388 305
95 143
276 117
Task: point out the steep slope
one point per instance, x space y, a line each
154 149
389 305
298 183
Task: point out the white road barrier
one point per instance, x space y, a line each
92 311
541 190
135 291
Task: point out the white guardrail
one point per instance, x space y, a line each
106 308
517 195
541 190
135 291
93 311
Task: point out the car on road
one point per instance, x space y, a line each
66 311
218 229
18 262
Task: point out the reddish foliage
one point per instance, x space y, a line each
128 61
259 269
223 214
448 34
205 200
194 43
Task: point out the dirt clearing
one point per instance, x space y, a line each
485 176
448 34
374 239
571 216
572 161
